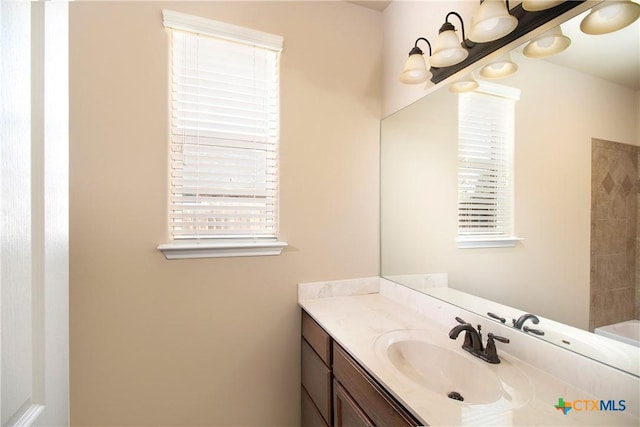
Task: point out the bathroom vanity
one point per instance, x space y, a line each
377 353
329 371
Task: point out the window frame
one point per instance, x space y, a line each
508 237
219 245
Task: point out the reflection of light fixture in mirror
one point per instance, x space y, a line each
537 5
465 84
610 16
416 69
491 21
447 50
547 44
501 67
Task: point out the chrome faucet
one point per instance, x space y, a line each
473 341
518 323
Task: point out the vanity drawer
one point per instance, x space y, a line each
310 415
380 407
317 338
316 381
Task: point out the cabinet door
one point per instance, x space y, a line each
374 400
346 412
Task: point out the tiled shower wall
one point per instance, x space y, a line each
615 268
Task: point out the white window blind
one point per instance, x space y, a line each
224 130
485 162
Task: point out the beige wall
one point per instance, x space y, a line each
548 273
210 342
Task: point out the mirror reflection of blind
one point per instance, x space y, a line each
224 138
485 151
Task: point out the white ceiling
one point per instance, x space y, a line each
379 5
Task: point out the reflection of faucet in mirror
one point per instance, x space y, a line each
518 323
495 316
533 331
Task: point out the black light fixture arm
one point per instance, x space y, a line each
417 50
448 26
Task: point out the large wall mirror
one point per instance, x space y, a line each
575 182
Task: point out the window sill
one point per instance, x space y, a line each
487 242
193 249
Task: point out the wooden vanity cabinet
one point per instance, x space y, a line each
317 392
337 391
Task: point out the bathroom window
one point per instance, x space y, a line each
224 132
485 166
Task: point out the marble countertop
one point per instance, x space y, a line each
357 313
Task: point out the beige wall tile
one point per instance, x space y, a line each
614 240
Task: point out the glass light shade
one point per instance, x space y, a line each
464 85
491 21
416 70
537 5
499 68
447 50
610 16
547 44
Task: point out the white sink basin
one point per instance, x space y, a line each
443 369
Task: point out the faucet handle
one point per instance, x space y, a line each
459 320
491 353
495 316
492 337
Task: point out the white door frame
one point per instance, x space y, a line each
34 214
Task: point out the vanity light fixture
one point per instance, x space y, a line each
451 56
500 68
491 21
538 5
416 69
547 44
448 50
610 16
465 84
